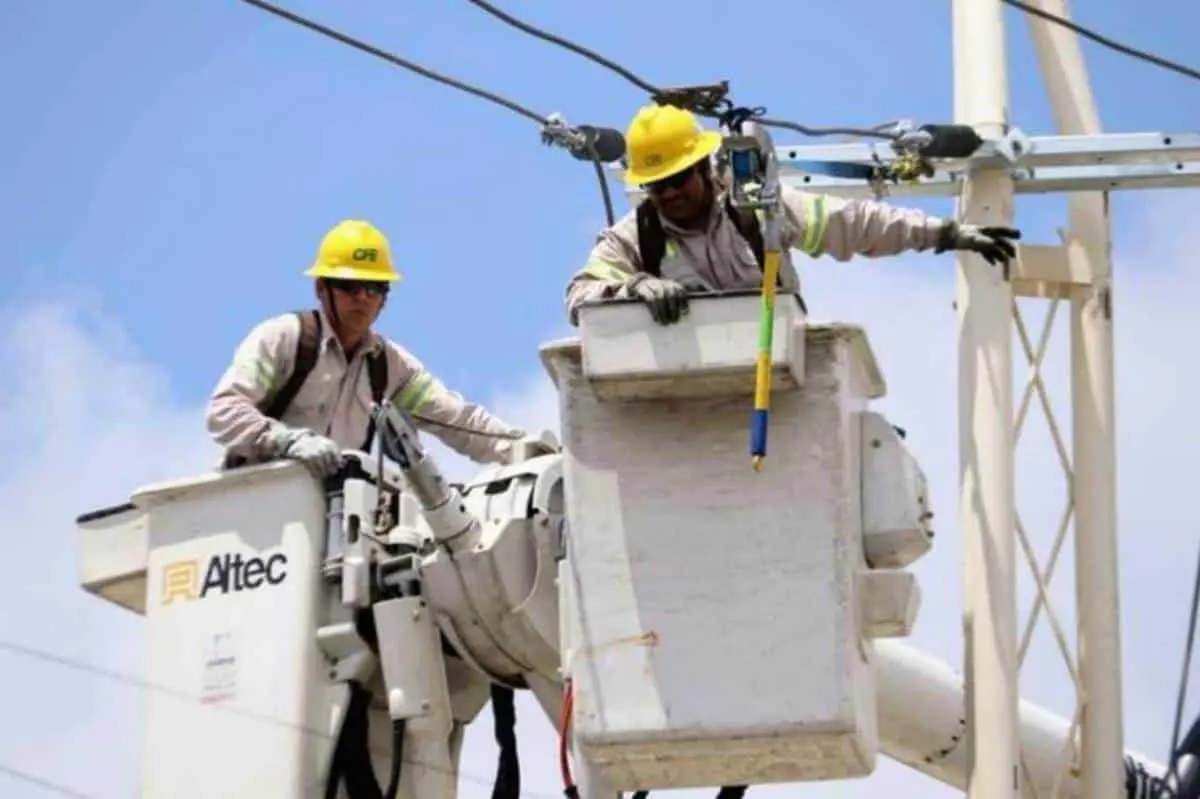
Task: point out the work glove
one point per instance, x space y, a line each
666 299
321 455
993 243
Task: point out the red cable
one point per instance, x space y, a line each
564 765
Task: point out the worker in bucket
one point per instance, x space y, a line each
686 237
301 384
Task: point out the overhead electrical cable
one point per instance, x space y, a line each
1104 40
663 95
583 142
23 650
41 782
404 63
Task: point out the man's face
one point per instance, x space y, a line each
357 304
679 197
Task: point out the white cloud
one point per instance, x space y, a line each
84 421
84 418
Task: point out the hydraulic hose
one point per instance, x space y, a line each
398 729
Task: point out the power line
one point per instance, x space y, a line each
403 63
41 782
22 650
553 38
554 130
1103 40
1181 699
658 93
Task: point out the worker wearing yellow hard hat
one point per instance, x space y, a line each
686 237
301 384
354 274
664 142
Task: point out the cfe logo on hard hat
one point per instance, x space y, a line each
223 574
365 254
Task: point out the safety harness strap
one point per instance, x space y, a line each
377 372
652 237
307 347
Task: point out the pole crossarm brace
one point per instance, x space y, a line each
1037 164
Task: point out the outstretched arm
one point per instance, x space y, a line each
467 428
843 228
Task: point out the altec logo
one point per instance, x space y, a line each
223 574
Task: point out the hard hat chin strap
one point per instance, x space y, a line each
330 304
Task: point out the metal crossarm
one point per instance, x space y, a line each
1037 165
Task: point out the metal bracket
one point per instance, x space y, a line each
1038 164
349 656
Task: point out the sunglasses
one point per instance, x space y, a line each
372 287
676 181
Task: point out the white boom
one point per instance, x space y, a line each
718 626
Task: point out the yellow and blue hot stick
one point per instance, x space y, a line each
756 186
762 377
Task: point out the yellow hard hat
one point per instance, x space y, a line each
662 140
354 250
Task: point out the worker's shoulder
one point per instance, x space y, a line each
280 326
400 355
276 334
623 228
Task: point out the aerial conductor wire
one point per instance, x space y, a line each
594 144
668 96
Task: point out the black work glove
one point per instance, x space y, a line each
666 299
993 243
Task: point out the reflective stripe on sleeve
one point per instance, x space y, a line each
602 270
258 371
418 392
816 222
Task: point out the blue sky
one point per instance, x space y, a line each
168 167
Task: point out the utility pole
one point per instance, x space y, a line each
1094 435
985 419
1087 164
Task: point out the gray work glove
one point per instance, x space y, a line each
993 243
321 455
666 299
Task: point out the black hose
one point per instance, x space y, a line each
393 788
508 771
351 761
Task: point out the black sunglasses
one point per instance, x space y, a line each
373 287
676 181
